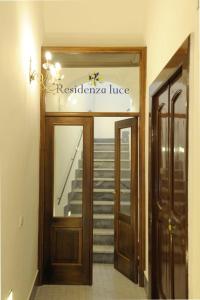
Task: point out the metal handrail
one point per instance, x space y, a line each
70 168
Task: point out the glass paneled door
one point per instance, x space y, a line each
68 200
126 204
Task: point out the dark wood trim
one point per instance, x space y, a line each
142 206
179 61
91 206
141 115
92 114
34 288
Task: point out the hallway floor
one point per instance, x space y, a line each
108 284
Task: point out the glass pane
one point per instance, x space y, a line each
180 154
68 171
163 158
125 165
96 82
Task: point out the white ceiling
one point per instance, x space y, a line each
94 22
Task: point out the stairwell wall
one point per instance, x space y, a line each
21 31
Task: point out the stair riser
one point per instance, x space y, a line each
106 164
77 184
104 223
98 209
109 147
103 140
110 155
107 196
104 173
105 258
103 239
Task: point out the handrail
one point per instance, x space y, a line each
70 168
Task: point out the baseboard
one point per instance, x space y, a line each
34 288
146 285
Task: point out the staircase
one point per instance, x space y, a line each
103 197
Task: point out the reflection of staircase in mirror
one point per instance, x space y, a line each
103 197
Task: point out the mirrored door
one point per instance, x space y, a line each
68 200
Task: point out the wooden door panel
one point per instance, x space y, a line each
66 245
126 202
178 98
170 190
124 246
163 267
162 193
67 238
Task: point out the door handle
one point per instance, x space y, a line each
171 227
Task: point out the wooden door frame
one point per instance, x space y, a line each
141 114
179 61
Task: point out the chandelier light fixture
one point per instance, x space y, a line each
51 77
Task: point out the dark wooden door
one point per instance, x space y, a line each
126 202
68 200
169 179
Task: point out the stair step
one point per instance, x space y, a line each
103 236
102 172
100 194
98 207
110 146
103 231
103 258
103 216
107 141
110 154
104 140
103 190
103 249
94 202
107 163
96 216
100 202
102 183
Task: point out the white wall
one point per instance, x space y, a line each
105 127
21 36
94 23
168 25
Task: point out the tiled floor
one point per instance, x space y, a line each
108 284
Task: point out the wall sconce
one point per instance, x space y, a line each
52 76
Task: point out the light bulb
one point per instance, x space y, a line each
58 66
48 55
53 71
